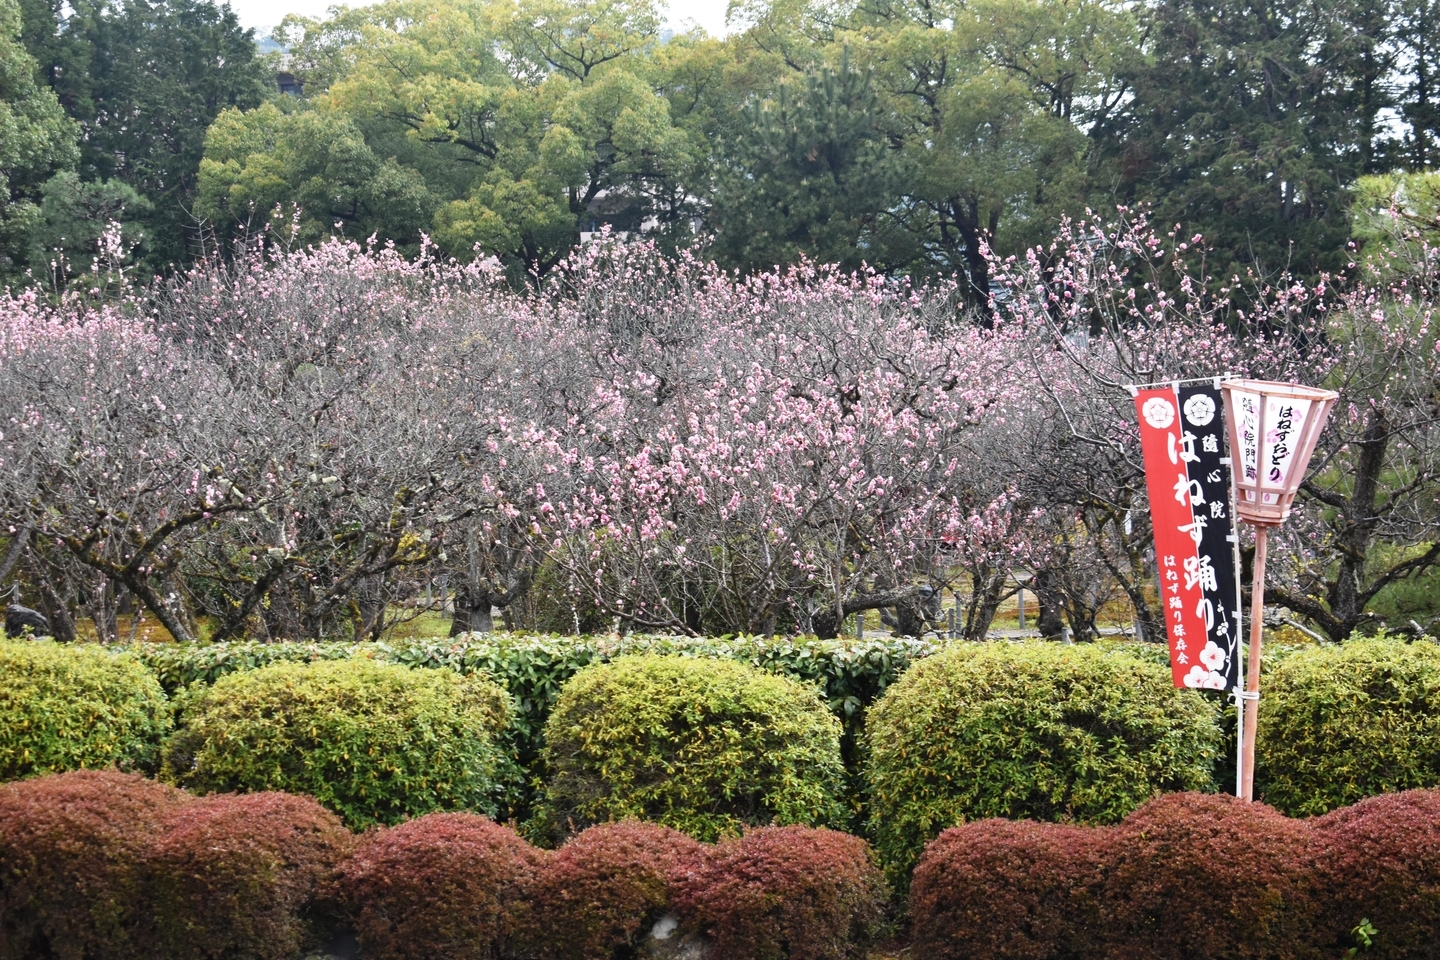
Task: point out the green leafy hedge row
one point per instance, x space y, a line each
849 674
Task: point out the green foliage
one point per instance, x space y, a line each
1028 730
1340 723
86 228
1394 207
517 125
809 173
849 673
69 708
373 742
145 80
263 166
1234 134
703 746
36 139
1416 597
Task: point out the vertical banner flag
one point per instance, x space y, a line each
1188 479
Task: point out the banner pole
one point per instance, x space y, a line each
1252 683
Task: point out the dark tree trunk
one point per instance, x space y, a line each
472 612
987 590
1051 601
827 620
57 611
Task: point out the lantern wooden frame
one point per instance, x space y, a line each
1264 500
1261 500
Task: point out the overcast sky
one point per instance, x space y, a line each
709 14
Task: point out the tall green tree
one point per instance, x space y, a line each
981 108
299 172
36 140
811 173
145 80
1416 33
527 121
1243 127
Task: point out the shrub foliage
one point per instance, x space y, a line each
1008 889
596 895
73 849
850 673
703 746
785 893
1379 860
1190 875
76 707
1339 723
1028 730
373 742
236 875
446 885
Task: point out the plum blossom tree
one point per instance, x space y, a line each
293 444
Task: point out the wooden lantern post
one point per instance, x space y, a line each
1273 428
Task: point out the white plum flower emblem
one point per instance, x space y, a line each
1199 410
1212 656
1158 412
1201 679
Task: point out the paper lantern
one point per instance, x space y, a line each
1273 428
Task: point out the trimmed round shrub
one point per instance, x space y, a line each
1340 723
236 875
446 885
785 893
1028 730
1010 890
1193 876
76 707
1379 860
599 893
72 864
374 742
704 746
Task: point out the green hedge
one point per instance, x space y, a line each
849 674
704 746
1340 723
374 742
1029 730
70 708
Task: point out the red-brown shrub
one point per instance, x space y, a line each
445 885
1008 889
1380 860
784 893
72 854
600 890
234 875
1198 876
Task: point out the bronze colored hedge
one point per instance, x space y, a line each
602 891
1191 875
445 885
1009 890
236 875
73 851
785 893
1379 860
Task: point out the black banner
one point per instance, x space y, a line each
1216 660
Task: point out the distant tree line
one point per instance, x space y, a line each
907 135
112 102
